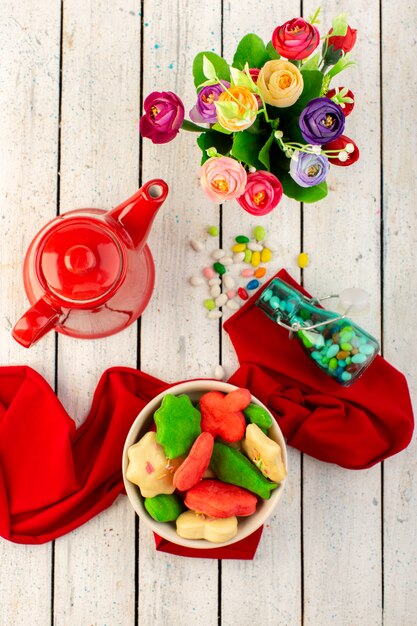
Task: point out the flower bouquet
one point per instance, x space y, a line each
273 124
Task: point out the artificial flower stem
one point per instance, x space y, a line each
194 128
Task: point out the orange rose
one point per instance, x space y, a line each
243 114
280 83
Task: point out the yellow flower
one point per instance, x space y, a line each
236 108
280 83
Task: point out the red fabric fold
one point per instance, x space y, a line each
354 427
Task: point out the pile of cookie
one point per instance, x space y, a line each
202 466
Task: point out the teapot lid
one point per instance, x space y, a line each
80 262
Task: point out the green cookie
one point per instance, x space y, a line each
177 425
231 466
258 415
164 508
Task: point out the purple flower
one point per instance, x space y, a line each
164 114
321 121
309 169
205 111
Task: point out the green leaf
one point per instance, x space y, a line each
213 139
220 129
339 25
313 80
312 63
343 63
227 109
314 18
246 147
251 49
220 66
240 79
208 69
264 153
272 53
303 194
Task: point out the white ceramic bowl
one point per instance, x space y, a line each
246 525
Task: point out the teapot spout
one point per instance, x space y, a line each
35 323
138 212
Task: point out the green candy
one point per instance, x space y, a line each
242 239
259 233
164 507
231 466
213 231
258 415
177 425
248 255
219 268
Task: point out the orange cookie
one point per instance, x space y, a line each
217 499
191 471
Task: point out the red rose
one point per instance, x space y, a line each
295 39
345 42
262 193
348 151
341 96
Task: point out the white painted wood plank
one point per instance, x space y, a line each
275 573
341 509
400 302
29 74
99 168
177 340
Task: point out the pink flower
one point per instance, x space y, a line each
164 114
262 193
296 39
223 178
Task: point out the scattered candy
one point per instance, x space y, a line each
260 272
256 258
255 247
302 260
196 245
242 293
248 256
226 260
209 272
232 305
252 284
209 304
214 315
228 281
215 291
242 239
266 255
196 281
221 299
239 247
259 233
219 268
219 372
213 231
354 300
192 525
231 294
238 257
246 273
217 254
214 281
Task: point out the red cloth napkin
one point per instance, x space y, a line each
54 477
354 427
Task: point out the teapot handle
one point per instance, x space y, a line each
35 323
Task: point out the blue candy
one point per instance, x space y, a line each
253 284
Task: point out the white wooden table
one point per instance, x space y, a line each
342 547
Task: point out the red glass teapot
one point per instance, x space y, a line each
89 273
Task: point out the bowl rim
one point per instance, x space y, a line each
133 493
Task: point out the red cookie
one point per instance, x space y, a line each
217 499
191 471
222 414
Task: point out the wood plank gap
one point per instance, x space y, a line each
58 199
381 273
301 454
136 608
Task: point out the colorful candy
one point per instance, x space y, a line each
218 499
242 239
259 233
258 415
219 268
302 260
242 293
221 415
253 284
191 525
213 231
164 507
231 466
177 425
